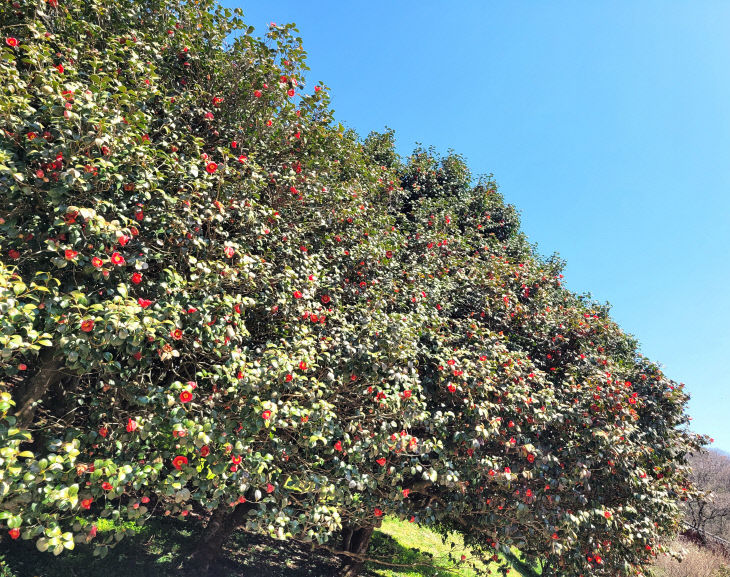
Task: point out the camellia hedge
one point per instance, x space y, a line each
217 302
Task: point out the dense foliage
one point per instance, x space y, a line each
216 299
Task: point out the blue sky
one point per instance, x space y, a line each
607 124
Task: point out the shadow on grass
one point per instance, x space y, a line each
159 548
414 560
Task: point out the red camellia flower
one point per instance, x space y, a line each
297 295
257 93
12 42
103 431
179 461
131 425
204 451
229 251
176 334
14 533
144 303
388 254
86 504
186 397
87 325
452 388
136 278
139 215
266 415
607 514
407 394
288 378
12 253
123 240
107 486
117 259
406 492
236 459
326 299
211 167
380 461
507 470
70 254
338 446
377 512
303 365
96 262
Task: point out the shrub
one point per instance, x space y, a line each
217 301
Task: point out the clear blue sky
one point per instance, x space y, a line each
606 123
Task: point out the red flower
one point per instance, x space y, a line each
266 415
507 470
257 93
406 492
288 378
12 42
236 459
136 278
117 259
229 251
12 253
179 461
607 514
176 334
144 303
97 262
381 461
123 240
186 397
103 431
388 254
14 533
531 458
139 215
377 512
326 299
107 486
71 254
297 295
204 451
290 92
131 425
211 167
86 503
270 488
452 388
87 325
303 365
407 394
338 446
60 68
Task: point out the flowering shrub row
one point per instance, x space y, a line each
215 300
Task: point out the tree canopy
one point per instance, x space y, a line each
217 301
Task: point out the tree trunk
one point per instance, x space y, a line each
221 525
354 540
36 387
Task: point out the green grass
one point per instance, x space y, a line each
158 548
427 554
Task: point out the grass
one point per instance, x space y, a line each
157 549
428 554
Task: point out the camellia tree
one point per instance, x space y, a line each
216 301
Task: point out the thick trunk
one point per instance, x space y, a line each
355 540
221 525
35 388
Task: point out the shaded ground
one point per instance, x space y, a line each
158 548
